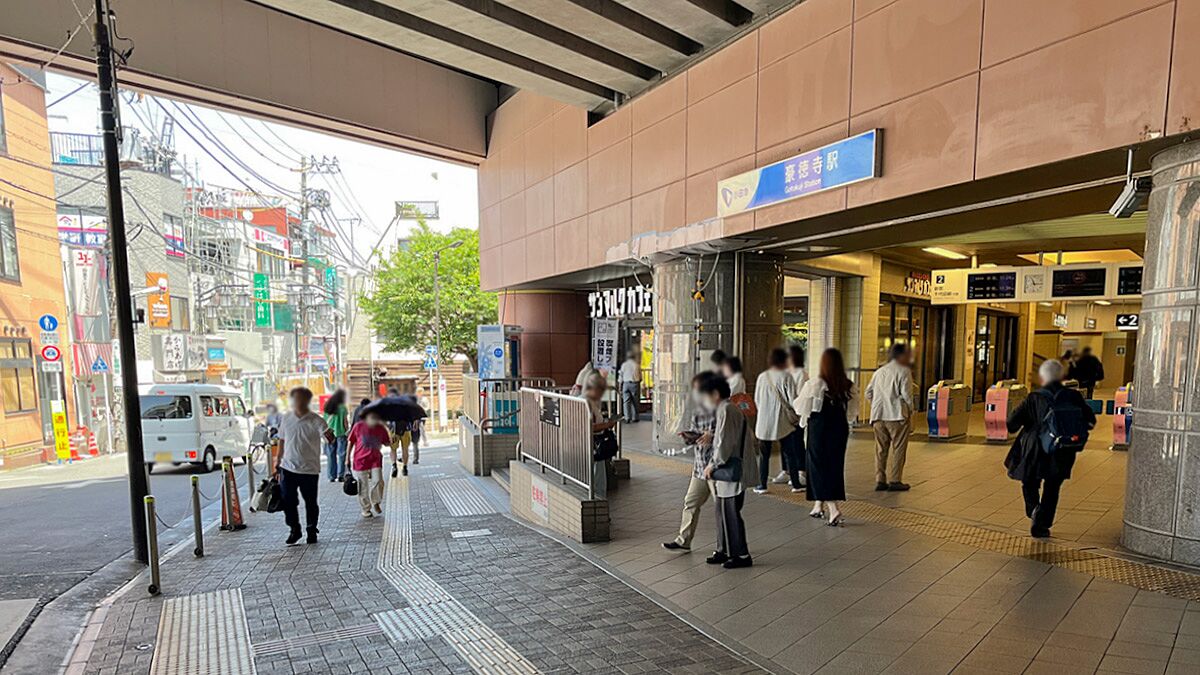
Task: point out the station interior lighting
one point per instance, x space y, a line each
944 252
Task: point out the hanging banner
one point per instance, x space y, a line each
262 294
86 274
158 305
604 344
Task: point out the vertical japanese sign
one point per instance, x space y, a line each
331 284
86 275
262 296
62 442
539 498
158 304
604 344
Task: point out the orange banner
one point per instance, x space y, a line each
158 305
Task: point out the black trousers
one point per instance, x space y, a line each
1045 503
294 486
792 448
731 529
787 459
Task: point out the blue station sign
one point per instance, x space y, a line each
839 164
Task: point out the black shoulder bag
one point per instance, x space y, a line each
731 470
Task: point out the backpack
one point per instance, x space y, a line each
1063 426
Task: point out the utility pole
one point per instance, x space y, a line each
139 485
299 306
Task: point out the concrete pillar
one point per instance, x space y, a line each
1162 488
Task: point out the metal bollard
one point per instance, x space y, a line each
152 540
199 550
250 478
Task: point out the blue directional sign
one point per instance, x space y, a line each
835 165
99 365
430 350
48 322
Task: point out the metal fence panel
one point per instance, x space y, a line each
556 433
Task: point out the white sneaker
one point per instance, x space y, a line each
368 514
797 490
760 491
781 478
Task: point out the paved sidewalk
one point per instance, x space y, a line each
899 593
443 582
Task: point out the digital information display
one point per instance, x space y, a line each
992 286
1078 283
1129 281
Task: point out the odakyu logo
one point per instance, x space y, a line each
727 195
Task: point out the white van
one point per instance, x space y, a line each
194 423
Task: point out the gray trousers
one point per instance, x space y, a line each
731 529
630 392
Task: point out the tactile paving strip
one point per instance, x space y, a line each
462 498
203 633
287 644
1095 562
416 586
421 622
396 547
487 653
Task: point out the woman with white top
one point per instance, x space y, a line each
731 368
826 406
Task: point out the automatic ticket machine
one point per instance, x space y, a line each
947 412
1002 398
1122 417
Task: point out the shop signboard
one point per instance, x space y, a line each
158 304
615 303
62 441
262 297
604 344
836 165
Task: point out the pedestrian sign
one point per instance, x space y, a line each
430 363
99 365
51 353
48 322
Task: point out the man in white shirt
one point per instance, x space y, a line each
301 434
890 394
630 377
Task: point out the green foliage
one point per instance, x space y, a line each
401 304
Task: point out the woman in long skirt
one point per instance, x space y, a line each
827 405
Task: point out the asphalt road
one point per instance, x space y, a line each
60 524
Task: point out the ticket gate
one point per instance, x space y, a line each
1002 398
947 412
1122 417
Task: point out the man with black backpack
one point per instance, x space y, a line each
1054 422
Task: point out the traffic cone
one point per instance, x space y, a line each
93 446
231 505
74 443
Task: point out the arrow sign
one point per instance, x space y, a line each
51 353
1127 322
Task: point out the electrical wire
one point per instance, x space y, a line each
190 115
67 95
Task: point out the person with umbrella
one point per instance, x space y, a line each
401 411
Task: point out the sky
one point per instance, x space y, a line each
376 176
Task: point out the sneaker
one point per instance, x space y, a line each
781 478
293 538
341 479
393 471
881 487
367 514
378 508
312 536
404 470
798 490
898 487
416 461
760 490
735 563
717 558
675 546
1039 533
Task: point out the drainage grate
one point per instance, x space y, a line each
287 644
203 633
462 498
422 622
1088 561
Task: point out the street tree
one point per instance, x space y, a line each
400 305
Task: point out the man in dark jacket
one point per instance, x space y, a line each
1039 471
1088 370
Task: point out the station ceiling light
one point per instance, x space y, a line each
944 252
1104 303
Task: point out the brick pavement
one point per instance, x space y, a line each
416 591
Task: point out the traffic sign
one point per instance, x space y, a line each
430 350
51 353
49 337
48 322
430 363
99 365
498 352
52 366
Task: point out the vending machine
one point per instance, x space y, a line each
1001 399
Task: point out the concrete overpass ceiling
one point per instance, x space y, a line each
581 52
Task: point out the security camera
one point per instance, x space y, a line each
1132 196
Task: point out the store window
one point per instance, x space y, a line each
9 268
17 377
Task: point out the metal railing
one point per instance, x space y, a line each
556 434
493 404
81 149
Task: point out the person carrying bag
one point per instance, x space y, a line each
729 474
